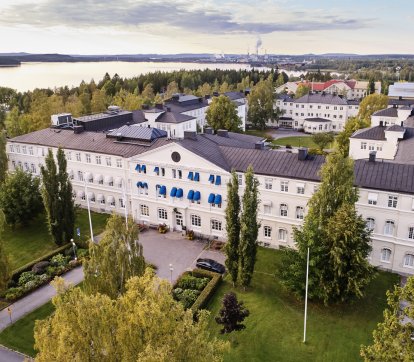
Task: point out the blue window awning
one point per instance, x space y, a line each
173 192
211 179
217 199
157 169
139 184
197 196
190 175
196 176
218 180
190 195
144 185
138 168
211 198
163 190
179 193
144 169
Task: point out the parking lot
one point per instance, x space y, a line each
172 248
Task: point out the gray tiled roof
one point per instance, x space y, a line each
387 112
173 117
400 102
353 102
234 95
317 119
395 128
322 98
372 133
138 133
405 152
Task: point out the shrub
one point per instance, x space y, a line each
288 146
58 260
188 281
26 277
208 291
315 151
44 278
14 293
188 297
82 253
55 270
31 285
40 267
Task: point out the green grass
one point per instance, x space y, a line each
26 243
274 329
19 336
296 141
258 133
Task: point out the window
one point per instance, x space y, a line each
102 202
392 201
88 158
267 231
411 232
78 156
379 147
174 173
92 198
112 203
284 186
267 209
180 174
34 169
385 254
363 145
108 161
409 260
268 183
216 225
389 228
195 220
320 127
162 214
83 197
26 166
240 179
282 235
300 212
283 210
372 199
24 149
144 210
300 189
98 160
121 203
370 223
17 148
11 148
90 179
80 175
119 163
162 171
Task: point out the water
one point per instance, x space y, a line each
51 75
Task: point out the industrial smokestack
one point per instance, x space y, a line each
258 44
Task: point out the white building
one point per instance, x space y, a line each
401 89
182 183
315 113
391 116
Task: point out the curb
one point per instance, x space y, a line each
25 357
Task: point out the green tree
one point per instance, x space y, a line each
249 228
232 314
323 139
342 140
172 88
280 80
336 236
20 197
370 104
5 269
233 227
222 114
261 104
393 338
302 90
115 259
3 156
371 87
144 324
99 101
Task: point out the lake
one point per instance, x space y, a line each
50 75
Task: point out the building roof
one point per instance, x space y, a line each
400 102
326 98
387 112
405 152
137 133
317 119
353 102
405 89
235 95
102 115
373 133
173 117
395 128
285 98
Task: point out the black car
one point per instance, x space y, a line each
210 264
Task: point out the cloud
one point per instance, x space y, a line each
190 17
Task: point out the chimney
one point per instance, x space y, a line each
77 129
259 145
302 153
119 136
168 109
207 96
381 123
402 123
190 135
372 156
222 133
208 130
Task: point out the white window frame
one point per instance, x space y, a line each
98 160
195 220
372 198
392 201
282 235
108 161
300 212
216 225
268 183
370 221
144 210
119 162
411 232
283 210
409 260
389 228
162 214
267 231
78 157
88 157
284 186
385 255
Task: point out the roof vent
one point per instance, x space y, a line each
208 130
372 156
190 135
259 145
119 136
159 106
222 133
302 154
168 109
381 123
77 129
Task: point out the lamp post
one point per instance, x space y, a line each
89 210
171 273
74 248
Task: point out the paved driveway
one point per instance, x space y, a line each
282 133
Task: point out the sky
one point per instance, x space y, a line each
206 26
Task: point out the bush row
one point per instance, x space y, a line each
209 290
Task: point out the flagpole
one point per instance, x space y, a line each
89 210
306 298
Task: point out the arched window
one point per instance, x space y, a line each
389 227
409 260
385 254
370 223
282 235
267 231
283 210
300 212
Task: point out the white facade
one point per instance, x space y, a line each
114 182
391 116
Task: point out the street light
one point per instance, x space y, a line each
74 248
171 273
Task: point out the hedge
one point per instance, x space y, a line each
209 290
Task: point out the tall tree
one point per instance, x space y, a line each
249 228
393 338
222 114
370 104
116 258
233 227
261 104
232 314
336 236
145 324
302 90
20 197
323 139
5 269
342 140
3 156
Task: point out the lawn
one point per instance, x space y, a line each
258 133
274 329
19 336
27 243
296 141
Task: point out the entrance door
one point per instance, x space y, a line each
179 221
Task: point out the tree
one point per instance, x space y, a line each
144 324
116 258
58 198
323 139
261 104
99 101
20 197
342 140
233 227
232 314
172 88
370 104
336 236
222 114
3 156
393 338
371 87
302 90
249 229
5 269
280 80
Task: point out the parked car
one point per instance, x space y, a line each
210 264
